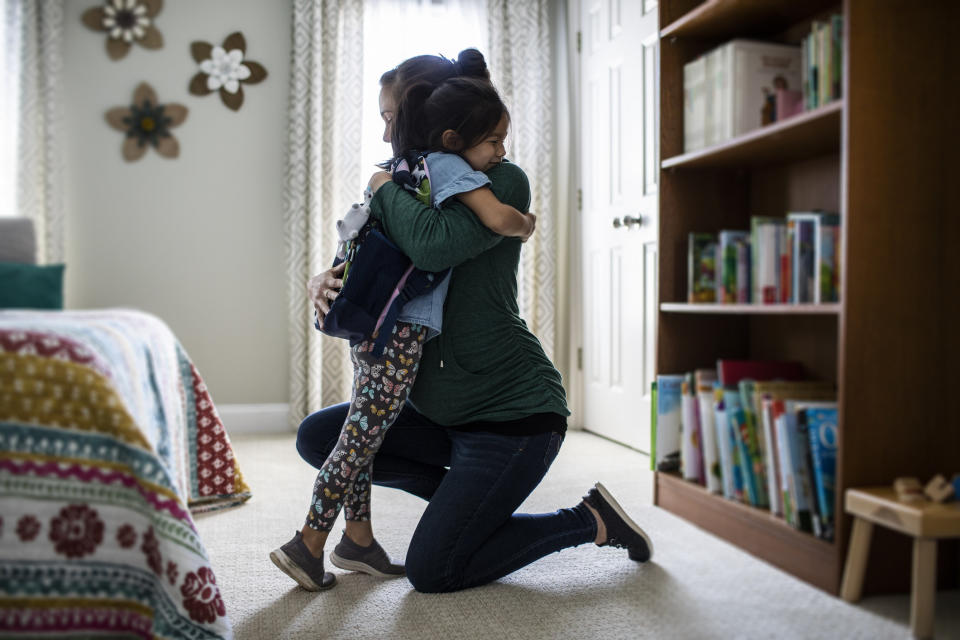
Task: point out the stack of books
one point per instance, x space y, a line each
756 432
822 55
743 85
791 260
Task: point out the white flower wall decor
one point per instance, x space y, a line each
224 69
126 22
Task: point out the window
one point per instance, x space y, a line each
9 104
395 30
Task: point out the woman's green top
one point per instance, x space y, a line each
485 365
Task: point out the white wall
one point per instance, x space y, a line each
198 240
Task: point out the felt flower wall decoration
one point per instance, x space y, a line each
147 123
126 22
223 69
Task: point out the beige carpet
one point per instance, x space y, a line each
697 587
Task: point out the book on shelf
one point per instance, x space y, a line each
732 89
729 473
767 242
694 104
744 461
691 458
764 394
791 260
821 426
665 445
731 372
814 238
822 58
705 379
701 267
728 248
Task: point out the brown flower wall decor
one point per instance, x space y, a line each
147 123
224 69
126 22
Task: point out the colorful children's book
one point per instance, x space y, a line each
666 453
798 443
743 271
732 485
704 380
767 236
653 426
788 488
731 372
701 267
691 459
742 458
827 277
821 422
728 264
753 439
763 395
803 261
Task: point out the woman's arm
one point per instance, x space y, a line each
434 239
496 216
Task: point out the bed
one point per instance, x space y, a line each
109 440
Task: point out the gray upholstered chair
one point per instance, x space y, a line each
17 240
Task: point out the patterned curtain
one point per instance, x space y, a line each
519 59
34 53
322 173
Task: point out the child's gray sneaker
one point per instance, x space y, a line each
374 560
295 560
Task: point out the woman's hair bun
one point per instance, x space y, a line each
470 64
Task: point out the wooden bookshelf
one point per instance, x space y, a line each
760 309
811 134
878 157
727 19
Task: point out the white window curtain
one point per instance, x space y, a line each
322 174
524 61
30 118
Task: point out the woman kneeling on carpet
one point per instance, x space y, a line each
486 416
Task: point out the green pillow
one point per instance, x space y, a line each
31 286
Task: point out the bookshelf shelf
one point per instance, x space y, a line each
892 324
766 535
808 135
760 309
716 19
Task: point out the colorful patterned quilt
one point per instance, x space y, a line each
108 441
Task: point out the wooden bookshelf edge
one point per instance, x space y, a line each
754 530
726 18
710 308
809 130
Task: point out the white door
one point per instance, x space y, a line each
618 168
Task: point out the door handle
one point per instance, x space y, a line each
628 221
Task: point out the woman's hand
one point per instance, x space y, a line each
378 179
533 225
323 289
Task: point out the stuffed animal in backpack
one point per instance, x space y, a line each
349 227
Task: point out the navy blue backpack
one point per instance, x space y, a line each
380 280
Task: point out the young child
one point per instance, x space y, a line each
444 137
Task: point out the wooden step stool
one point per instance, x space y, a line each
925 521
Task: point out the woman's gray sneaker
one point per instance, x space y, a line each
621 530
295 560
374 560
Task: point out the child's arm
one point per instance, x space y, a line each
498 217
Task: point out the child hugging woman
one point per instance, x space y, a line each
447 126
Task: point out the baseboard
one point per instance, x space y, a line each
255 418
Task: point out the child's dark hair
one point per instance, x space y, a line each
433 96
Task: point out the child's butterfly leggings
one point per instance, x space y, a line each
380 387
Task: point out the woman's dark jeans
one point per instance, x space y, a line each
474 481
